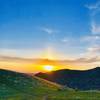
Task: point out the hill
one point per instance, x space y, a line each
19 86
22 86
76 79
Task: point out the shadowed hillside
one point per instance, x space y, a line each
84 80
19 86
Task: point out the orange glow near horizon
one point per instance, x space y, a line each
41 65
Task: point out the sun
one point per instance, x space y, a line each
48 67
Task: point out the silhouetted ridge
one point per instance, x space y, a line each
84 80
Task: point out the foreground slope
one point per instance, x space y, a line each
18 86
22 86
84 80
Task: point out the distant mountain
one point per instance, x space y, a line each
76 79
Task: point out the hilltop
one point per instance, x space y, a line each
76 79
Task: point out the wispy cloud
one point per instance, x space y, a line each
13 63
24 53
87 60
95 28
65 40
93 38
94 49
92 52
93 6
48 30
95 9
14 59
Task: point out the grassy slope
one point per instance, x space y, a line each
16 86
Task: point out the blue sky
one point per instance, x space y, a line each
67 28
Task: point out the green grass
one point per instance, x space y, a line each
15 86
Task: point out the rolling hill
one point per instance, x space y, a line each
19 86
76 79
22 86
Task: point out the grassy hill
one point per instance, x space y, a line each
18 86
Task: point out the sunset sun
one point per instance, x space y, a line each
48 67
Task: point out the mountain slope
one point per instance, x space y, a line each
18 86
22 86
84 80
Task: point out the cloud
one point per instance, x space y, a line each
48 30
33 61
65 40
95 9
93 38
88 60
92 52
95 28
23 53
31 65
93 6
15 59
94 49
82 63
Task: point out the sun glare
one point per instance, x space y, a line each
48 67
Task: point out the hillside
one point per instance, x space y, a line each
19 86
22 86
84 80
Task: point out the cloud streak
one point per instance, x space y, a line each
31 65
77 60
93 6
95 29
95 49
93 38
48 30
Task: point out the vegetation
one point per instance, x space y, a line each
17 86
76 79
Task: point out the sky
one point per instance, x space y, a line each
52 29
